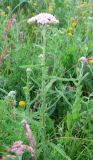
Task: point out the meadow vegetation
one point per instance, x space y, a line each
46 94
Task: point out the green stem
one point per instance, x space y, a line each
28 91
19 157
43 91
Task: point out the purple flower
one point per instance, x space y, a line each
10 23
30 138
43 19
19 148
28 131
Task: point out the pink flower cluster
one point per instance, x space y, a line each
29 135
18 148
43 19
7 30
10 23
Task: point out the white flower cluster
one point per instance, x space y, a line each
43 19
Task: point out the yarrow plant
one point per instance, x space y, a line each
43 19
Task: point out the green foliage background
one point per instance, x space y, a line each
69 116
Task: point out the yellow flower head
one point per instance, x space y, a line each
22 104
90 60
3 14
74 24
70 29
69 34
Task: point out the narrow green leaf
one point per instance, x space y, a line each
59 150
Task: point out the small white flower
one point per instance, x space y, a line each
11 94
83 60
41 56
29 70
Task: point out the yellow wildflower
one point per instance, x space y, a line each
22 104
70 29
69 34
90 60
3 14
74 24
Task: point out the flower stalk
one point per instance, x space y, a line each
43 90
27 89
